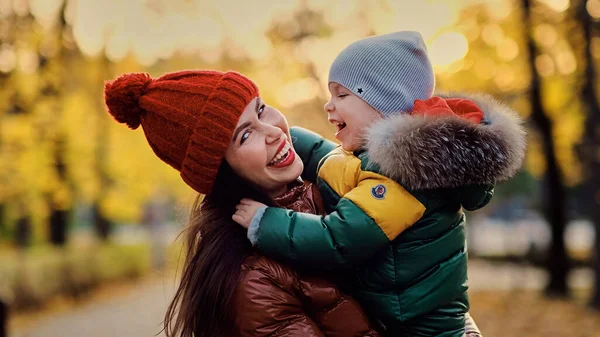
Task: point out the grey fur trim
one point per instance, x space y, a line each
424 152
255 225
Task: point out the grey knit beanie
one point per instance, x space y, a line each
388 71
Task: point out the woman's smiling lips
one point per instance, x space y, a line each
291 155
284 156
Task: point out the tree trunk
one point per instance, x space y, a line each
59 218
23 231
3 319
101 222
589 154
557 263
3 227
59 221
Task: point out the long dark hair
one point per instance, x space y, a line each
215 247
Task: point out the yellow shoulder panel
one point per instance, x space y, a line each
392 207
340 171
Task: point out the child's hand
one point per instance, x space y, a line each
245 211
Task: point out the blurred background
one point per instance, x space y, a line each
89 215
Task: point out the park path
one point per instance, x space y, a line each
137 312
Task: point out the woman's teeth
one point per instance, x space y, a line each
281 156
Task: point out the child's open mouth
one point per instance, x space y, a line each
340 125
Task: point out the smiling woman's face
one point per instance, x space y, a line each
261 149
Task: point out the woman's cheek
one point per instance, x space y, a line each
255 154
279 121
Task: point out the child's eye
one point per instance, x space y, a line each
244 137
340 95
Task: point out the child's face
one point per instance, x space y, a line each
351 115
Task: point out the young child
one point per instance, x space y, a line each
395 190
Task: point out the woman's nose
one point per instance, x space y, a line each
273 133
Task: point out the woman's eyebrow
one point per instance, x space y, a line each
258 101
240 128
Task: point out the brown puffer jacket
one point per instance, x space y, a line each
273 299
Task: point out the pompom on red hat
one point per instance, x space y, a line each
188 117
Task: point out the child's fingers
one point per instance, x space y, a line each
238 218
244 201
247 201
241 212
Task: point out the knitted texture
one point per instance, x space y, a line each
188 117
389 71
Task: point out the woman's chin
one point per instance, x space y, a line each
297 167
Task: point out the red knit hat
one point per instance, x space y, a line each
188 117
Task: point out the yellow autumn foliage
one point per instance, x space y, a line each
54 109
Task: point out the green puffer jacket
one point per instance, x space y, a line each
395 213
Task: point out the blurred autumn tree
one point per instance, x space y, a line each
28 135
591 142
529 54
555 201
39 181
576 55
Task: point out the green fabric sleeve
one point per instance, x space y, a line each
311 148
342 239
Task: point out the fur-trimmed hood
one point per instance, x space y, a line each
444 151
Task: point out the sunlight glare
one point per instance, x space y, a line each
5 8
297 92
508 49
8 58
593 8
557 5
448 48
545 34
46 11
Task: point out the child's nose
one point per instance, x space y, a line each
328 107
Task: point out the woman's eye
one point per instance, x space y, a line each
261 110
244 137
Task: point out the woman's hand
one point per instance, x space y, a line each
245 211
